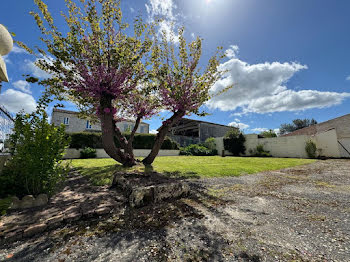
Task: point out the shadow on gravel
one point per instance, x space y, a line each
167 231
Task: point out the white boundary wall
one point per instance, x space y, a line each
291 146
72 153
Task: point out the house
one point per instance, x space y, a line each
341 125
189 131
75 124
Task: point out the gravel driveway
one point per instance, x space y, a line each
295 214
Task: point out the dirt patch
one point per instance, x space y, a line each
295 214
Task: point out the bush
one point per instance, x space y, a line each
88 152
260 152
310 149
210 143
234 142
141 141
37 149
196 150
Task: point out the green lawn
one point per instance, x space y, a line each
100 171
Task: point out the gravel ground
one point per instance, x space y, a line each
295 214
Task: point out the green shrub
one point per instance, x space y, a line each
234 142
210 143
37 148
88 152
141 141
260 152
310 149
196 150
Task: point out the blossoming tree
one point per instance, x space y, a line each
111 73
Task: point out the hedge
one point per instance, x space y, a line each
141 141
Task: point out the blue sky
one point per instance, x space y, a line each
287 59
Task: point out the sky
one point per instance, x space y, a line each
285 59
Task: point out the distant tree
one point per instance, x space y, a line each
234 142
269 133
296 124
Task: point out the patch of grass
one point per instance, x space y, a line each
100 171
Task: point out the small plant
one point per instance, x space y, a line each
260 152
88 152
234 142
37 149
311 149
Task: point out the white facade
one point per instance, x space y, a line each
74 124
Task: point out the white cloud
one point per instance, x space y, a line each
348 78
259 129
132 10
18 50
261 88
153 131
6 59
23 86
14 101
164 10
232 52
240 125
36 71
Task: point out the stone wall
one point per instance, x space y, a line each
72 153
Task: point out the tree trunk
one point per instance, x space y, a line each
108 133
163 131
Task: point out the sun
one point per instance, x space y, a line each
208 1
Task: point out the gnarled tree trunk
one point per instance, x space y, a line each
108 127
163 131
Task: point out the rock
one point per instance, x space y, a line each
173 190
32 230
141 196
41 200
15 203
27 202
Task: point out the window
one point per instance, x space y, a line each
88 125
142 129
66 121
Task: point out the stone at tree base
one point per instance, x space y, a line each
143 189
35 229
41 200
15 203
141 196
27 201
173 190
